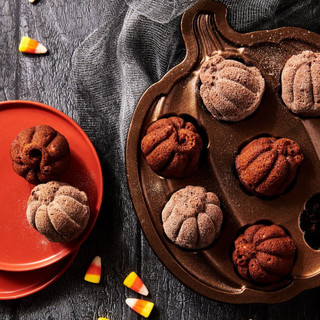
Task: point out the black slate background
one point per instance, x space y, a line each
117 236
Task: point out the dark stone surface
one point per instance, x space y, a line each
117 236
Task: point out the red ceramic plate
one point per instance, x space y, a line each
15 285
21 247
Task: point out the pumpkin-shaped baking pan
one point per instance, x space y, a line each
210 271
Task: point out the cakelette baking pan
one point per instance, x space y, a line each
210 271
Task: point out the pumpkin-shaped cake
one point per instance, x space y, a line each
300 80
267 166
172 147
230 90
192 217
58 211
263 253
40 154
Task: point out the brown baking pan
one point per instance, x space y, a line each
210 271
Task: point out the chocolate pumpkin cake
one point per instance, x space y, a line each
230 90
263 253
58 211
300 80
192 217
172 147
40 154
267 166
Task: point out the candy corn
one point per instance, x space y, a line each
101 318
29 45
31 1
142 307
133 282
94 271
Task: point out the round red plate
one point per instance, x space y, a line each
15 285
21 247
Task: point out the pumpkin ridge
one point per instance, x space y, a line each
255 157
32 132
198 230
263 250
308 99
275 277
193 161
248 236
240 166
210 106
213 222
67 196
271 274
270 182
277 237
290 177
267 172
178 124
54 135
276 232
186 142
159 124
240 84
172 157
51 225
168 134
234 63
215 232
295 71
169 159
267 142
31 213
182 231
66 214
275 272
284 185
208 214
178 224
312 85
215 201
34 218
78 226
218 110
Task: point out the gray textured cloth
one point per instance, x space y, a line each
138 43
